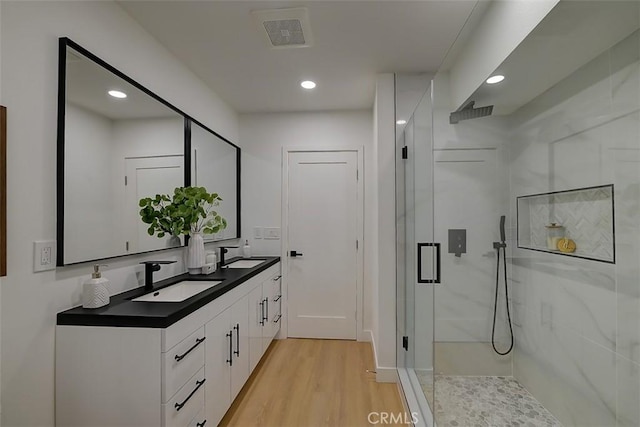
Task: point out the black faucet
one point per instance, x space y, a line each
224 250
149 268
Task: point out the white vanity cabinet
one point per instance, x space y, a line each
227 358
186 375
264 316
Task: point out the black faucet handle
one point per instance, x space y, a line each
157 262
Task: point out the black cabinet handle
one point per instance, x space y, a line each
295 254
179 406
183 355
277 319
262 312
230 359
237 328
275 279
266 304
201 424
276 299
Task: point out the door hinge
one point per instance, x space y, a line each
357 245
357 175
405 152
405 343
125 180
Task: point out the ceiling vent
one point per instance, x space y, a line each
285 28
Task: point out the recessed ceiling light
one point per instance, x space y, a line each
495 79
401 122
117 94
308 84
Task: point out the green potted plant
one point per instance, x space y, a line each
190 211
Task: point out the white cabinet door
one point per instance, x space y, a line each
240 327
256 321
219 353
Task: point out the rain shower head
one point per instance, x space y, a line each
467 112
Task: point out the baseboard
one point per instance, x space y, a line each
386 375
383 374
367 336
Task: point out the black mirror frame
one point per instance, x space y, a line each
63 43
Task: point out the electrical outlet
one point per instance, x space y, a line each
44 255
257 232
272 233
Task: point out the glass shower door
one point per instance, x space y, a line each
417 254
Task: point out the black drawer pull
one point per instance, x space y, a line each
266 316
276 299
277 319
275 279
179 406
201 424
182 356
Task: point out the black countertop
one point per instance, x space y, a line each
138 314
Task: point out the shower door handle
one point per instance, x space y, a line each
437 266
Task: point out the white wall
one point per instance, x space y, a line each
29 43
264 135
384 321
502 27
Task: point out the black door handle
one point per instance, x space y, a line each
295 254
437 266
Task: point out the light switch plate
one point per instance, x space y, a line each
44 255
272 233
257 232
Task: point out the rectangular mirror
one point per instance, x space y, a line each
216 166
115 148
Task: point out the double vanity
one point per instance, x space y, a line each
150 358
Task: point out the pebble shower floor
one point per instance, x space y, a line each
485 402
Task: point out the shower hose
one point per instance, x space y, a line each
502 245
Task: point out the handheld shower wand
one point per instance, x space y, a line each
497 246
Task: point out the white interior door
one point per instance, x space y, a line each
322 227
146 177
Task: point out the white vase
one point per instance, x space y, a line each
195 253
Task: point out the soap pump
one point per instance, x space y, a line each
246 250
94 291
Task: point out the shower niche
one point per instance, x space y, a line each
577 223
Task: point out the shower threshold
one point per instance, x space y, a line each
483 401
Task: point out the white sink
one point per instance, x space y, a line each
246 263
178 292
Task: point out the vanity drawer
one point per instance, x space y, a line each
180 410
181 362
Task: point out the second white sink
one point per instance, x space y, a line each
246 263
178 292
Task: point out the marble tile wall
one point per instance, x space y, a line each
577 322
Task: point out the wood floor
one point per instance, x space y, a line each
304 382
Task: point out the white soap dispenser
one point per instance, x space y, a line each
246 250
94 291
